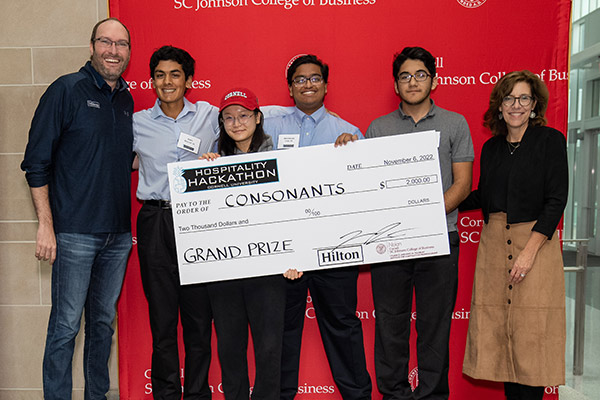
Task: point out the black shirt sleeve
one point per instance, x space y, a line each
556 184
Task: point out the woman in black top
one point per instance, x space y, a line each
517 323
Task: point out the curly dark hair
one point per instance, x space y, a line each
413 53
170 53
503 88
307 59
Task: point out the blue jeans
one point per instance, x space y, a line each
87 274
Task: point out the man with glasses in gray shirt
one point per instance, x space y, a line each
433 279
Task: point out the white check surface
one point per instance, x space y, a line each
309 208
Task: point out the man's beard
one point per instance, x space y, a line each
106 73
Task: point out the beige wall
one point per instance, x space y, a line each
39 41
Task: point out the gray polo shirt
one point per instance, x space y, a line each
455 140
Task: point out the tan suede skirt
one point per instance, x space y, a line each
516 332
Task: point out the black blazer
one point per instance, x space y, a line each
538 183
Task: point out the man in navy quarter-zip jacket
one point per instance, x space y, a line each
78 166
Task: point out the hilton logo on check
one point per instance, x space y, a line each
341 255
230 175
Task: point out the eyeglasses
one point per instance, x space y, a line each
524 100
107 43
419 76
242 119
301 80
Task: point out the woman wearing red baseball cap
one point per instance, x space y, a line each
259 301
241 125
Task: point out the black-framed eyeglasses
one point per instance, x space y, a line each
419 76
301 80
524 100
107 43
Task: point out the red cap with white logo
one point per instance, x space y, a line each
240 96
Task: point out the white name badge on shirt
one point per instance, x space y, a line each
189 143
288 141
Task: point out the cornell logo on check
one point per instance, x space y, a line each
342 255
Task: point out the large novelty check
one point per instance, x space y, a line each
309 208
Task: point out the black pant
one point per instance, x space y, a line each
516 391
333 295
167 299
260 302
435 283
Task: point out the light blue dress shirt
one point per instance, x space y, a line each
155 138
317 128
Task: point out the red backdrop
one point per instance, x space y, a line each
249 42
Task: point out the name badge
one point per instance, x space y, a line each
189 143
288 141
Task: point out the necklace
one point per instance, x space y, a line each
512 147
